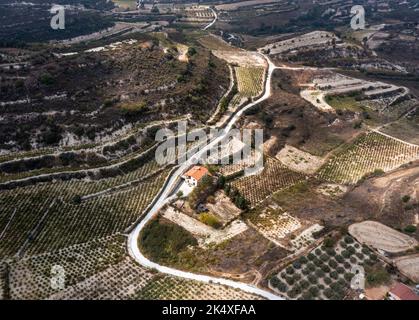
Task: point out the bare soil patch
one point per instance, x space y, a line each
205 235
298 160
409 266
382 196
223 208
381 237
241 58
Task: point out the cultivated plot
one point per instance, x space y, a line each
409 266
299 160
381 237
274 224
275 176
325 273
369 153
47 217
250 80
30 277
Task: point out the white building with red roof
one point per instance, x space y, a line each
194 175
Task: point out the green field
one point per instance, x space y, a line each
344 103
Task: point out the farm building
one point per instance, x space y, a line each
194 175
402 292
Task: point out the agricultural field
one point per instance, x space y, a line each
381 237
240 4
275 176
117 282
241 58
409 266
326 272
377 102
370 153
249 84
406 128
232 169
168 288
305 238
3 280
47 217
223 208
126 4
274 224
29 278
196 14
316 38
101 270
89 190
129 168
299 160
250 81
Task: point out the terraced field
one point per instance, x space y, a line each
101 269
51 216
275 176
3 271
370 152
119 281
30 277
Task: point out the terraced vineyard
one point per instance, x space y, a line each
30 277
117 282
3 271
274 177
50 216
168 288
128 164
370 152
250 80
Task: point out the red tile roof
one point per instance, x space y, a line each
197 172
403 292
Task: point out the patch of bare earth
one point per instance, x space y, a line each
298 160
377 293
409 266
382 196
241 58
205 234
223 208
381 237
248 256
